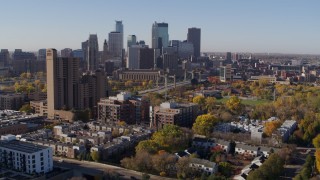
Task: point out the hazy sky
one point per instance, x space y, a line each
284 26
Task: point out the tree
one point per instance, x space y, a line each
163 162
270 169
306 171
26 108
148 146
234 104
128 83
145 176
95 156
140 162
210 103
317 154
184 170
225 168
316 141
204 124
200 100
171 138
271 126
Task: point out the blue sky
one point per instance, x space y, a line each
283 26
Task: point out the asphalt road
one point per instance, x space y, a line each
98 169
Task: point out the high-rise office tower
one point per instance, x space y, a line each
133 57
132 40
62 81
66 52
105 53
4 58
42 54
146 58
119 27
194 36
115 44
160 36
185 49
92 52
170 61
84 47
228 56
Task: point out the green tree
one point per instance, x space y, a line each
272 168
95 156
316 141
26 108
225 168
234 104
147 145
204 124
210 103
171 138
200 100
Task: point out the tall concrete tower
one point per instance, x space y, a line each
194 36
92 52
62 80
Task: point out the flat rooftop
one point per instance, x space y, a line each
22 146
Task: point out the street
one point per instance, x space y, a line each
94 168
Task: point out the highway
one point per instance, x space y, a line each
161 89
94 168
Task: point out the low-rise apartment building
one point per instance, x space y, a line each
180 114
26 157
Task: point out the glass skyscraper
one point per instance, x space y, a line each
160 35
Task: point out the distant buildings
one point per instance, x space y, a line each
11 101
180 114
66 52
42 55
25 157
194 37
160 35
122 107
186 49
18 55
115 43
225 73
4 58
170 61
140 57
138 75
228 56
92 52
132 40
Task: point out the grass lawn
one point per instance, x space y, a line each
251 102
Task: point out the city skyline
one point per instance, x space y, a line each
246 26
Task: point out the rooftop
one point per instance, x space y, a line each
22 146
204 162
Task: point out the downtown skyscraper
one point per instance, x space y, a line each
116 40
160 35
194 37
92 52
